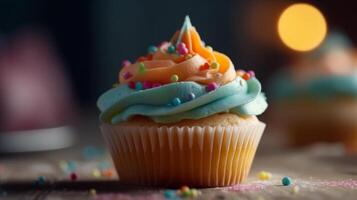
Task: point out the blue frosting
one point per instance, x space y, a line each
239 96
323 87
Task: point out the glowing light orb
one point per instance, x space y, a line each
302 27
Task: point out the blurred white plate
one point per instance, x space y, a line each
36 140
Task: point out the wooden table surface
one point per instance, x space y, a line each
320 172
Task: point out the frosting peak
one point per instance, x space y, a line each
186 57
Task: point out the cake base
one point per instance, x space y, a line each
186 153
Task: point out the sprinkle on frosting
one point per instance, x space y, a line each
182 49
212 86
191 96
147 85
204 67
214 65
125 63
174 78
251 73
171 49
176 101
142 68
152 49
246 76
138 86
131 85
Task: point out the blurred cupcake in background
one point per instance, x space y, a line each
316 98
36 105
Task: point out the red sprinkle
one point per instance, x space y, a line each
141 58
204 67
246 76
149 57
73 176
147 84
108 173
131 85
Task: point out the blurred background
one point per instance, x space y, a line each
91 38
57 57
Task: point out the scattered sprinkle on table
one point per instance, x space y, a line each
96 173
183 192
295 189
92 192
73 176
286 181
170 194
41 180
263 176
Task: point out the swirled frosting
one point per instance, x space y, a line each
181 79
239 96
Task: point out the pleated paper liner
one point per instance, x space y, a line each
175 156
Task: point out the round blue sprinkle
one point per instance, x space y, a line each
176 101
170 194
104 165
138 86
152 49
91 152
71 166
41 180
286 181
171 49
191 96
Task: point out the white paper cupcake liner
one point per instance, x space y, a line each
175 156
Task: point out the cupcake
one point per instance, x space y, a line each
315 100
182 115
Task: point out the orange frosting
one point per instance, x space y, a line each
161 66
